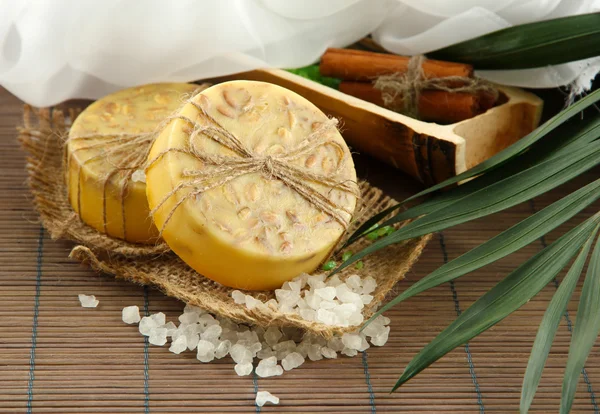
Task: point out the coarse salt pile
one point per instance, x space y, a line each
315 298
276 349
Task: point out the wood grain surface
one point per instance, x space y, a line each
56 357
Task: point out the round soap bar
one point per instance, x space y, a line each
114 132
251 184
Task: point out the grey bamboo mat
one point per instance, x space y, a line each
56 357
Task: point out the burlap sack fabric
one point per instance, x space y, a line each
42 136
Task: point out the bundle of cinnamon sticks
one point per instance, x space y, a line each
358 71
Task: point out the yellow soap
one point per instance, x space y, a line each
116 131
255 214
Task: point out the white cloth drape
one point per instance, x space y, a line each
52 50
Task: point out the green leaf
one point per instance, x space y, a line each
500 159
505 243
549 325
585 332
532 45
313 73
510 294
494 198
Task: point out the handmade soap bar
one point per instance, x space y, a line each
108 142
251 184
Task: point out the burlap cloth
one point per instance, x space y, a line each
42 136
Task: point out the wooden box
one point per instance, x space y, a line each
427 151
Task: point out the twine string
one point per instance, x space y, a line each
401 91
124 153
223 168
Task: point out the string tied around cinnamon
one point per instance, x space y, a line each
401 91
220 169
123 153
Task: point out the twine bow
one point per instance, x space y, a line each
124 153
222 168
401 91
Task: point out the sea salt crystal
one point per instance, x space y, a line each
206 351
272 335
374 328
316 284
222 349
356 319
334 281
328 352
189 318
314 352
327 317
240 354
295 286
302 347
325 304
159 318
265 352
364 345
382 338
170 327
369 285
211 332
271 303
345 310
192 339
352 341
179 345
131 314
238 297
252 302
193 309
291 361
313 300
308 314
326 293
344 294
349 352
138 176
314 280
248 336
336 344
354 282
366 299
158 336
288 345
146 325
243 369
88 301
263 397
268 368
207 320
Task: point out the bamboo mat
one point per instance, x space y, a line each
56 357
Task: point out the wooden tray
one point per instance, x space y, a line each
427 151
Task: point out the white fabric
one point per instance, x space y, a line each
420 26
52 50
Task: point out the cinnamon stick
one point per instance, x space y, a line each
433 105
358 65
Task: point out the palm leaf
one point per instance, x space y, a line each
494 198
549 325
566 138
507 296
492 163
549 42
503 244
585 332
